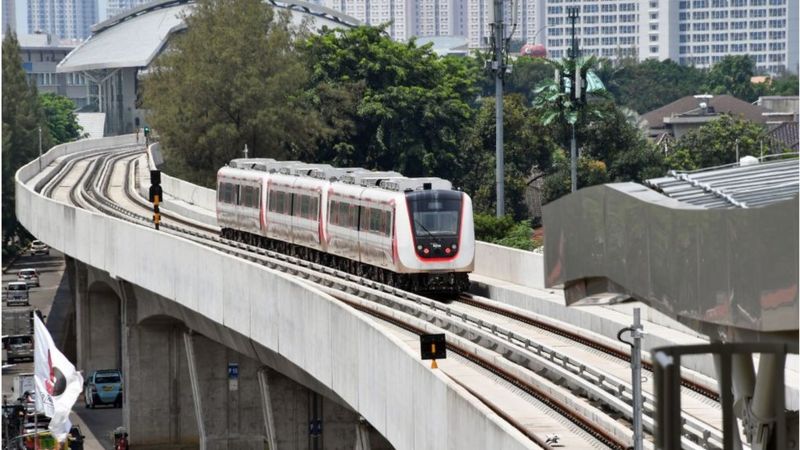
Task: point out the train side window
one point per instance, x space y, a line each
257 198
246 196
238 191
305 206
313 211
333 212
375 220
280 203
364 225
344 214
219 191
272 201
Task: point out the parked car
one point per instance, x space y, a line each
39 248
17 293
29 276
103 387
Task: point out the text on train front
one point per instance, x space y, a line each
436 219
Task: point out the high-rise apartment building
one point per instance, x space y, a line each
9 16
480 15
66 19
696 32
116 7
692 32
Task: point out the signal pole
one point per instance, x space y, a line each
499 68
572 15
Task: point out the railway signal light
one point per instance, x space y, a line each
433 346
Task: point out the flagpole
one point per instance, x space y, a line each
35 414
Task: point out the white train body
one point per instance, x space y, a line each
414 233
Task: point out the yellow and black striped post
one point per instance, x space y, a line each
156 213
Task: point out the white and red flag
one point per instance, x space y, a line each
58 384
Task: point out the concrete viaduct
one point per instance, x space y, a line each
173 315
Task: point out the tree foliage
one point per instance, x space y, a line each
528 146
504 231
715 144
22 116
234 78
395 106
61 120
731 76
650 84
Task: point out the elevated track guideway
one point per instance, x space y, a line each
553 385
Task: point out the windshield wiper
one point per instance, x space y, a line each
429 233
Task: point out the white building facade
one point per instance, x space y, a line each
691 32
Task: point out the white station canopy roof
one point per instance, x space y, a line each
135 38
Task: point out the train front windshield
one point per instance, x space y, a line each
435 213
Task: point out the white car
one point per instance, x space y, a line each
39 248
29 277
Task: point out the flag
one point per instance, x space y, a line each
58 384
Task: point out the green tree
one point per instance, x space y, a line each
715 144
784 85
504 231
61 119
732 76
22 117
528 146
650 84
559 183
399 106
234 78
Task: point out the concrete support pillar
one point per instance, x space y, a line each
197 399
80 288
98 327
737 441
362 435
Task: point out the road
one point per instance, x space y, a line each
53 299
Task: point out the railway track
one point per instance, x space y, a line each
524 363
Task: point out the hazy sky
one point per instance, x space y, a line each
22 14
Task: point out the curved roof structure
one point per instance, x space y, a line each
688 253
135 38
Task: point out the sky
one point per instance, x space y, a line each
21 7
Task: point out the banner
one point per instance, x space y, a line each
58 384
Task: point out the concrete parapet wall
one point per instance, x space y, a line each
509 264
372 370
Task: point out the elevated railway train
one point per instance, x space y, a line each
413 233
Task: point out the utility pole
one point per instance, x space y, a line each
40 149
245 151
499 68
572 15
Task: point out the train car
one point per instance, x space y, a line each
413 233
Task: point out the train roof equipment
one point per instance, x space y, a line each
370 178
415 184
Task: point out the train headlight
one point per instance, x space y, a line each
447 251
426 251
454 246
419 247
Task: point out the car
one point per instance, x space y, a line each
17 293
29 276
39 248
103 387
